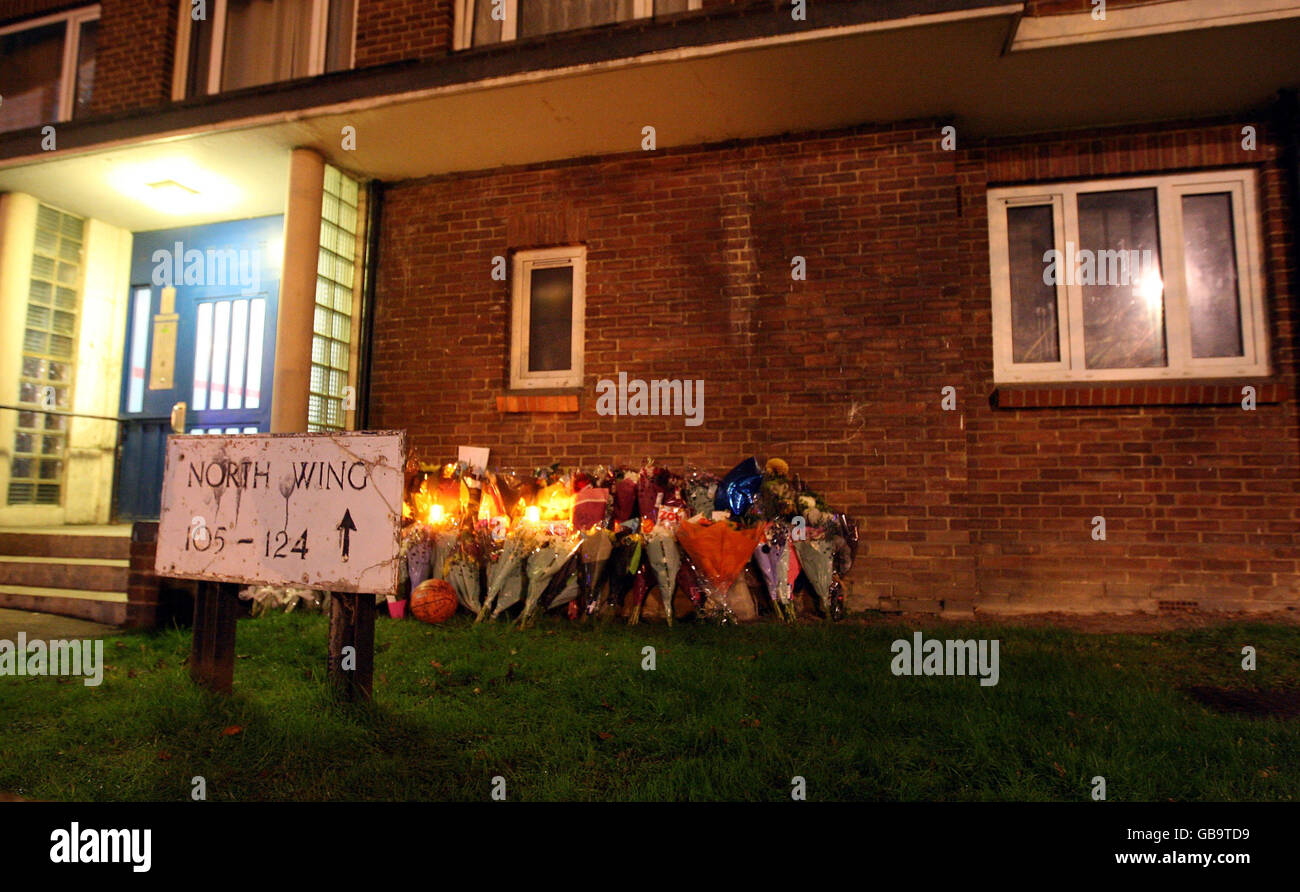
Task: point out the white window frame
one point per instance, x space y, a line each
1240 184
522 264
74 19
217 16
463 32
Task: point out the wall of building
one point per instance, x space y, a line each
135 55
1200 502
688 276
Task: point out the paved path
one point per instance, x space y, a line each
49 627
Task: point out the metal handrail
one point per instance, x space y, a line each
117 418
117 434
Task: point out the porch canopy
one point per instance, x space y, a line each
978 65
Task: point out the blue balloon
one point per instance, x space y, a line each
738 489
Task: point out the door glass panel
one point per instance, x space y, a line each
1213 298
256 333
238 343
220 352
139 350
202 358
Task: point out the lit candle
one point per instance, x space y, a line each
436 514
532 514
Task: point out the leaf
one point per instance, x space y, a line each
604 735
164 756
232 730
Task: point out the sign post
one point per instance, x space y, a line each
319 511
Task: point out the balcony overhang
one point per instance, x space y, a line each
575 97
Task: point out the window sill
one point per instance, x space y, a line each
1154 393
555 402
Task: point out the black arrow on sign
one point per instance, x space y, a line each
347 526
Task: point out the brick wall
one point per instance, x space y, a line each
136 54
397 30
1200 502
688 276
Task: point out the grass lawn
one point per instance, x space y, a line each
565 712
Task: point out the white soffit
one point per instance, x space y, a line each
1038 32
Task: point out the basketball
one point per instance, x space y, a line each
433 601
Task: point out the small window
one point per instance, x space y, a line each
47 68
1145 278
481 22
549 301
296 38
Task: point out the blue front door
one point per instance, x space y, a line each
200 331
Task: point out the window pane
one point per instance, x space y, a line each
85 67
1119 271
486 28
667 7
199 58
1035 334
550 319
278 52
338 42
31 67
1210 261
549 16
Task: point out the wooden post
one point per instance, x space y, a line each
352 624
212 651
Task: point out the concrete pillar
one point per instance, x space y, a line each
297 292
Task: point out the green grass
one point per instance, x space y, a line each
565 712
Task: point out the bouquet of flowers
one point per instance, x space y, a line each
505 574
779 563
826 553
464 568
718 552
701 489
596 547
664 560
418 550
551 556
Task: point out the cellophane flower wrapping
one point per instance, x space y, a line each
817 557
596 548
718 552
541 566
774 556
418 550
505 573
665 560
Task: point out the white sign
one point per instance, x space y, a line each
322 511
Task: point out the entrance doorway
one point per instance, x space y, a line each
200 332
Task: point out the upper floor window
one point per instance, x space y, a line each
1155 277
47 68
480 22
246 43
